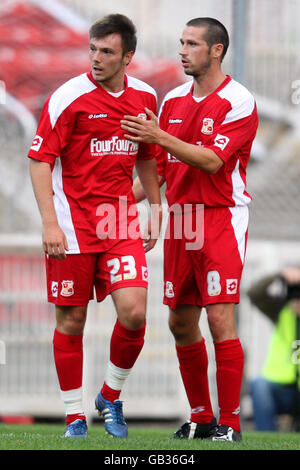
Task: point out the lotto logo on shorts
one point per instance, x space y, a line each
144 273
54 288
231 286
67 288
169 289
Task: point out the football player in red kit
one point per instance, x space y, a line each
81 168
204 136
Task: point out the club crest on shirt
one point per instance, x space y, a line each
207 126
67 288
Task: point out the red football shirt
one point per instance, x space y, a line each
79 134
225 121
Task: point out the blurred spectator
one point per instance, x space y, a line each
277 390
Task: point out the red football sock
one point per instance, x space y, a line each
230 364
68 357
125 347
72 417
193 364
109 393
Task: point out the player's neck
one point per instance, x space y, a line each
206 84
113 85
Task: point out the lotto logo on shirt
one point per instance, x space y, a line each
172 159
113 146
221 141
98 116
36 143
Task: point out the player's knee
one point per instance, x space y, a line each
178 328
133 316
71 319
137 318
221 322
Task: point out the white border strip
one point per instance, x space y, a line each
63 14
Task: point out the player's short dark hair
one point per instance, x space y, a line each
216 33
116 23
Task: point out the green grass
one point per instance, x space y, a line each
49 437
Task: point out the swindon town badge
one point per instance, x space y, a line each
67 288
207 126
169 292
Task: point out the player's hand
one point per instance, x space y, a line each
153 228
54 241
141 130
291 274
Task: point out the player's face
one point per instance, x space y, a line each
107 59
195 52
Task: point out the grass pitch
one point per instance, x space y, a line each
49 437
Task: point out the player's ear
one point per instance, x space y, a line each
128 57
217 51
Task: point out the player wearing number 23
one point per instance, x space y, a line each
81 170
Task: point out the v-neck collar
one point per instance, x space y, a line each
90 77
220 87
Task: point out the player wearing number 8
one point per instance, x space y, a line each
80 164
207 126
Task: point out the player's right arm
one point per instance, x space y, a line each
161 158
53 133
54 239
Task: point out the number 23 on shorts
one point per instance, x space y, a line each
122 269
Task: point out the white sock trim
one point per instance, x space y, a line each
116 376
72 400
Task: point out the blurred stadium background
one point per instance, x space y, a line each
42 44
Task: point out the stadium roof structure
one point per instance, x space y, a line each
43 44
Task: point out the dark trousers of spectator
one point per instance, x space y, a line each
269 400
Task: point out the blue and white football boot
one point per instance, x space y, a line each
113 416
76 429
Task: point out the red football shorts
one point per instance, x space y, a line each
207 270
71 281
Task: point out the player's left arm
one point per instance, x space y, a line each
150 132
148 178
